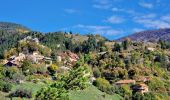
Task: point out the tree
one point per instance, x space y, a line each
52 94
26 66
76 79
90 44
96 72
104 85
126 44
117 47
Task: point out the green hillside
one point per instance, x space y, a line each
69 66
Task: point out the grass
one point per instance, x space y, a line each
27 85
92 93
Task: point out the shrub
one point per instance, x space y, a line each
26 66
7 87
41 69
9 72
52 94
17 77
21 93
124 91
1 84
52 69
104 85
96 72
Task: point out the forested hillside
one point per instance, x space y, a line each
67 66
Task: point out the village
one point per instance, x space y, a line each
69 59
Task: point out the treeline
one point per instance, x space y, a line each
57 41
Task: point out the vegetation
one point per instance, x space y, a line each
79 69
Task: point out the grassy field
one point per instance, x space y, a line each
92 93
28 85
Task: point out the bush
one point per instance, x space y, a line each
17 77
96 72
145 96
52 94
26 66
21 93
41 70
7 87
1 85
124 91
52 69
10 71
104 85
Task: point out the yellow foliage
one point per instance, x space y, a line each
54 67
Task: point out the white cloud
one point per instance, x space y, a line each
71 11
146 5
151 15
115 20
102 30
137 30
154 23
166 18
102 1
129 11
117 9
150 21
102 4
92 27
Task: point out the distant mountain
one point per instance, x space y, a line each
151 35
13 27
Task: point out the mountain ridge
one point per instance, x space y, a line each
150 35
13 27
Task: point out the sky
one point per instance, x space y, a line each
110 18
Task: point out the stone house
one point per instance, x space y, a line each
142 88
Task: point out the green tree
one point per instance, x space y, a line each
117 47
75 79
104 85
26 66
126 44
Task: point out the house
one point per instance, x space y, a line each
48 60
101 53
142 79
11 63
142 88
20 57
92 79
29 38
65 68
122 82
15 60
35 57
59 59
150 49
11 58
72 57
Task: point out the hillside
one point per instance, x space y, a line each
13 27
163 34
78 67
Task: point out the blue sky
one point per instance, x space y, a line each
110 18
